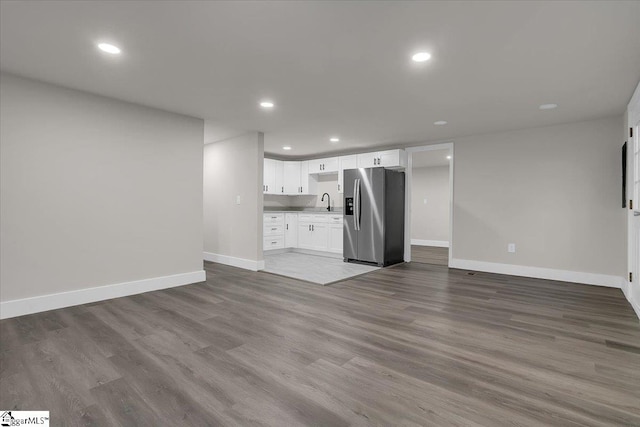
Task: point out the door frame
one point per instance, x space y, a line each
407 208
633 117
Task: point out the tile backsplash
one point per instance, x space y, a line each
326 184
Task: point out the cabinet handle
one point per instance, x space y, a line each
287 226
274 243
312 228
338 187
282 190
309 227
273 229
267 188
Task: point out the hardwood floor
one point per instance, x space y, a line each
430 255
414 344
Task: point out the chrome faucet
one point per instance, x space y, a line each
328 201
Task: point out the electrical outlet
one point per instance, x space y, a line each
425 200
511 248
237 200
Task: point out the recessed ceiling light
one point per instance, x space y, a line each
109 48
440 123
267 104
421 56
334 139
548 106
286 147
449 157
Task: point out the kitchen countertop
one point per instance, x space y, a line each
303 210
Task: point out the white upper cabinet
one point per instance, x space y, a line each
292 178
272 180
299 178
345 162
279 187
308 183
383 159
392 159
269 176
322 166
367 160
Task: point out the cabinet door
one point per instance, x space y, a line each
304 236
335 238
308 183
292 178
279 180
291 230
390 158
319 236
367 160
269 177
345 162
315 166
330 165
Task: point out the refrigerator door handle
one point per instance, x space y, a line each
356 204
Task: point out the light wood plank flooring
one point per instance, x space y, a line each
430 255
414 344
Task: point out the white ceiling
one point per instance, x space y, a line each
429 159
338 68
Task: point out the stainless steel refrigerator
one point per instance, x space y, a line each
374 216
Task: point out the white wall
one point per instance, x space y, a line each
430 220
233 232
94 191
553 191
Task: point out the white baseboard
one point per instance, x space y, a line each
539 273
20 307
437 243
247 264
626 289
635 305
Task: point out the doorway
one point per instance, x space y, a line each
634 214
429 204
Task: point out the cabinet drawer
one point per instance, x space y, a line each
273 229
305 217
321 218
335 219
276 218
273 243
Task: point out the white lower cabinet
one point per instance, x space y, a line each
335 231
313 236
304 236
291 230
335 238
273 231
319 236
317 232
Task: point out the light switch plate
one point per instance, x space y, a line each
511 248
237 200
